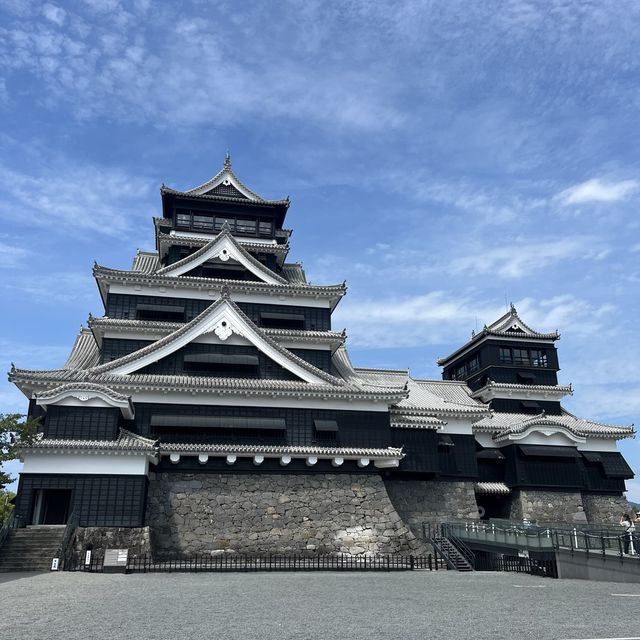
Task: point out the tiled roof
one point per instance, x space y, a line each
126 442
294 273
225 177
179 447
368 379
402 421
146 262
167 190
440 397
84 353
492 488
504 424
133 383
246 286
557 388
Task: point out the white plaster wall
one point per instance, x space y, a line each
457 426
88 463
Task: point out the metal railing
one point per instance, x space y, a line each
237 562
457 542
435 533
546 568
605 540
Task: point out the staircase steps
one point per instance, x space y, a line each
30 549
452 553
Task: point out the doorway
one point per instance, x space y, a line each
51 506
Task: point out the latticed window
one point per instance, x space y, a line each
505 355
521 356
538 358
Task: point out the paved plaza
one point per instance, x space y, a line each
407 606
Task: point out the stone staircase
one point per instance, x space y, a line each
30 549
453 555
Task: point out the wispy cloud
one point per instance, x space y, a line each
12 255
598 190
72 197
520 256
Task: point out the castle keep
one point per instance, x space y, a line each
214 407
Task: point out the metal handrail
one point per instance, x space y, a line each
466 552
568 537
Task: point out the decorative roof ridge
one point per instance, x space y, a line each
225 234
223 300
80 386
100 271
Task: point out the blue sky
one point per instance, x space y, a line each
443 157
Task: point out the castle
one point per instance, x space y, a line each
213 407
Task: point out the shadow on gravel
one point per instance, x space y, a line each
18 575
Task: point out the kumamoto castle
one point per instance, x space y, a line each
214 408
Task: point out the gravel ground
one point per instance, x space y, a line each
338 606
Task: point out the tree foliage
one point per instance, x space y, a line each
5 505
14 427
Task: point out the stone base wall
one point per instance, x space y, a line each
137 540
605 508
547 506
419 501
275 513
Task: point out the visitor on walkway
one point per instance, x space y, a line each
629 529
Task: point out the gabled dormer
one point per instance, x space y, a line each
223 200
510 365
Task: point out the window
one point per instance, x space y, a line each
203 223
538 358
246 226
474 364
505 355
265 228
520 356
183 220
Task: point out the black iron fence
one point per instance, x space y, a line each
237 562
546 568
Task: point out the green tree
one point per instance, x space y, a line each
5 506
13 427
